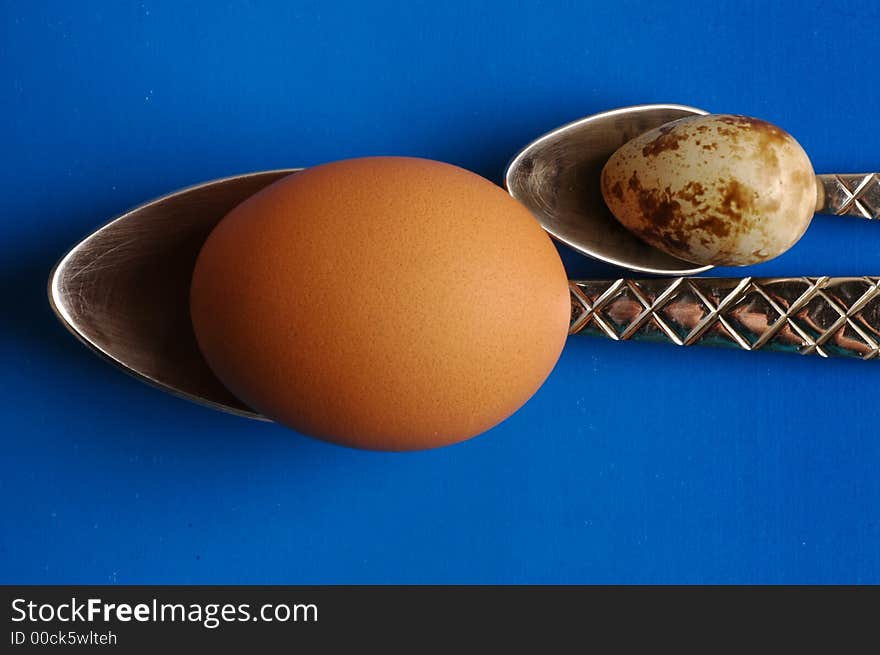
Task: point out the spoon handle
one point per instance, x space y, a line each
849 195
807 315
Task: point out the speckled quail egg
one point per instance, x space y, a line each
715 189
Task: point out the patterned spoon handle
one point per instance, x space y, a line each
807 315
850 195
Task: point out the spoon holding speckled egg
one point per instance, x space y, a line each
670 189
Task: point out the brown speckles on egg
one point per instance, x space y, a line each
728 133
770 158
737 201
614 189
722 189
667 139
800 178
633 183
769 131
692 192
715 225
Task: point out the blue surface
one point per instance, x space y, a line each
633 463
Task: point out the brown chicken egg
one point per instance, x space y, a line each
715 189
386 303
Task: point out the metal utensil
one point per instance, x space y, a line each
807 315
124 291
557 177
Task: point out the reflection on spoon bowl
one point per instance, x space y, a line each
124 289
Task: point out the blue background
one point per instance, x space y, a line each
633 463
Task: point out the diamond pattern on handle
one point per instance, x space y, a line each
853 195
825 316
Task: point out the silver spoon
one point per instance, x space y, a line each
124 289
124 292
557 177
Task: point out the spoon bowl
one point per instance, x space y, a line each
124 289
557 177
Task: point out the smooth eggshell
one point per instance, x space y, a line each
385 303
716 189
